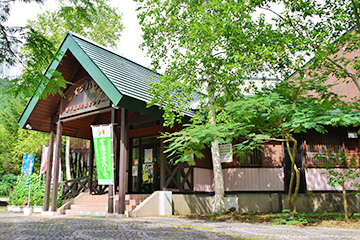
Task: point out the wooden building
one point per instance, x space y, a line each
107 88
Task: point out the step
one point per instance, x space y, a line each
93 213
88 208
89 202
98 204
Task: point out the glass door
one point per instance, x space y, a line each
145 162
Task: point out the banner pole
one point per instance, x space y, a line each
29 194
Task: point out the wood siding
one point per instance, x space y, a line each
241 179
317 181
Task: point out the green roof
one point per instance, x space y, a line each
125 82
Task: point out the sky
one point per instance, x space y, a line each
130 37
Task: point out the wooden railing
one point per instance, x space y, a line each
179 177
74 187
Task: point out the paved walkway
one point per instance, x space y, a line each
18 226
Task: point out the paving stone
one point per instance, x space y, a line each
18 226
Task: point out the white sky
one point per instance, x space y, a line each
130 37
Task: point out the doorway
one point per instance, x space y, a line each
144 164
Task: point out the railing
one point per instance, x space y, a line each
74 187
179 177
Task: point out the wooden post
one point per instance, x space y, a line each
59 130
111 206
91 165
49 166
162 161
122 163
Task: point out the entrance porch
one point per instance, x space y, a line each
105 88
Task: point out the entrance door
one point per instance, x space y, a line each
144 162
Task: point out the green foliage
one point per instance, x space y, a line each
291 218
40 39
14 142
19 196
7 181
326 30
207 46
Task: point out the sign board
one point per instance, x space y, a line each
226 153
84 96
103 150
134 171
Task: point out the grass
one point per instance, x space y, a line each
336 220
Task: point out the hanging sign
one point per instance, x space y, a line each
84 96
28 164
226 153
44 159
102 136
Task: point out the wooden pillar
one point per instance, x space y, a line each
162 161
91 165
49 166
111 193
59 130
122 163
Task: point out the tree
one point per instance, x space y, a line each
94 19
327 31
277 114
39 39
274 114
207 46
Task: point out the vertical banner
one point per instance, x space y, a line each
102 136
28 164
44 159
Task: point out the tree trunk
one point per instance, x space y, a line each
217 169
297 173
294 171
292 176
344 200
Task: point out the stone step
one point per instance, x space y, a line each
89 202
93 213
88 208
98 204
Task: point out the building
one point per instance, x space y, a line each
109 89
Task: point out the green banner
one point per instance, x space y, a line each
102 136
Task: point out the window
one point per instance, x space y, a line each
318 144
250 158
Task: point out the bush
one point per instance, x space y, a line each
7 182
19 195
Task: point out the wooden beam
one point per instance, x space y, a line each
122 163
86 114
138 119
56 167
162 161
111 192
49 165
91 164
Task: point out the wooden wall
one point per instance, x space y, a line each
241 179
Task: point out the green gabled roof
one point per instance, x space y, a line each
125 82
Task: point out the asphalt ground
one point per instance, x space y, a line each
36 226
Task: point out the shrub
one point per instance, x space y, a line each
19 195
